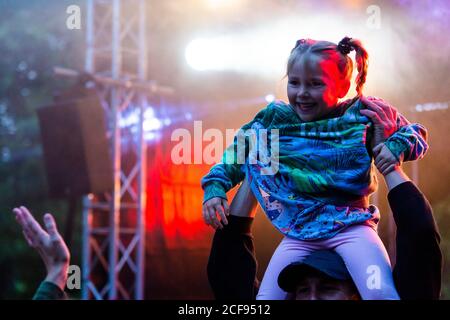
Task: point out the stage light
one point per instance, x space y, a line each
269 98
239 54
152 124
128 120
149 112
152 136
208 54
431 106
264 50
216 4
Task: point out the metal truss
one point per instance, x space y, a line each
114 223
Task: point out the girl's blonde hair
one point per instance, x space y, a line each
338 53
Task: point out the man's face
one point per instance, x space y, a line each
316 287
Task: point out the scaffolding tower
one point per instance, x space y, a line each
116 49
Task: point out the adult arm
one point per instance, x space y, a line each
232 264
417 273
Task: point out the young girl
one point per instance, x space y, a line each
318 197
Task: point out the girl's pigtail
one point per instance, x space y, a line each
362 62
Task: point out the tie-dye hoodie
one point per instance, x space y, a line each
318 180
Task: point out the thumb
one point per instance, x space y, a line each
378 148
50 225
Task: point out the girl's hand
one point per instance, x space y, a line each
213 206
385 161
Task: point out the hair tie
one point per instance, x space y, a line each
344 46
299 42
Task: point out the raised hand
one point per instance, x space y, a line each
49 244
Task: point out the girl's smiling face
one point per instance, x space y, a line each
314 87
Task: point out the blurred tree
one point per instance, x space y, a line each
33 39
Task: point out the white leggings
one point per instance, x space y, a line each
362 251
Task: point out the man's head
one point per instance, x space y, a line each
321 276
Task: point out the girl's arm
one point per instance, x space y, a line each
406 141
409 142
417 273
229 172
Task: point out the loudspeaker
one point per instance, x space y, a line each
76 148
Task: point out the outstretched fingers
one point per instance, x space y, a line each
30 223
50 226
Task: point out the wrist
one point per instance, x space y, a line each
395 177
213 190
58 275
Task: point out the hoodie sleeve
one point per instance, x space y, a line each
229 172
410 140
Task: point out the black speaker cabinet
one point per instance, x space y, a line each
76 148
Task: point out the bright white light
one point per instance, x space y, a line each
149 113
432 106
216 4
152 136
129 120
152 124
270 98
209 54
264 50
239 53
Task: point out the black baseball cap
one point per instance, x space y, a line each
325 261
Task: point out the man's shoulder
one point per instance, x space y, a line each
49 291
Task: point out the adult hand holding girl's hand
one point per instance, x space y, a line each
215 206
383 116
385 161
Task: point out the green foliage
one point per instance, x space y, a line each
33 39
